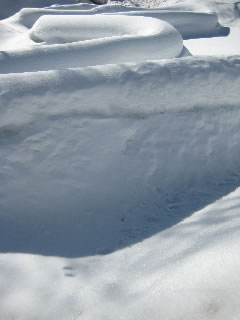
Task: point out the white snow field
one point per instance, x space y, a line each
119 160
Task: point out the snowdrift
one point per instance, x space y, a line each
190 24
108 39
119 192
149 88
10 7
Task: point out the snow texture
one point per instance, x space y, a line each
110 39
145 86
119 166
189 24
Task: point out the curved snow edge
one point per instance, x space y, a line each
128 40
184 84
190 24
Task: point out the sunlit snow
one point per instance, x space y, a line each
119 160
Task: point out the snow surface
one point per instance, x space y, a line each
119 194
189 24
216 46
145 86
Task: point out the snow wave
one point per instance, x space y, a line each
189 24
148 88
103 35
109 39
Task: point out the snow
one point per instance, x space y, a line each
119 167
190 24
216 46
67 160
154 278
10 7
78 28
145 86
128 41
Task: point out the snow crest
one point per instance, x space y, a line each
149 88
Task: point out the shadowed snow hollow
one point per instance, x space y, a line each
83 162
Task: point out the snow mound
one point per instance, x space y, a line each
189 24
28 16
132 39
53 28
75 184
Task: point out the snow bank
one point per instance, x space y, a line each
75 184
189 24
53 29
190 271
219 46
28 16
137 39
147 87
99 158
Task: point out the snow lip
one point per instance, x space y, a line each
210 82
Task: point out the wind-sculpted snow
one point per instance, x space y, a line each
10 7
189 24
65 29
148 88
119 175
70 38
102 40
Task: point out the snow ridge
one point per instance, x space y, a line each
111 39
149 88
100 154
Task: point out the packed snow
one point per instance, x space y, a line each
119 166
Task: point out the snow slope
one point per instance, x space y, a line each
126 42
153 279
189 24
216 46
119 194
87 184
145 86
